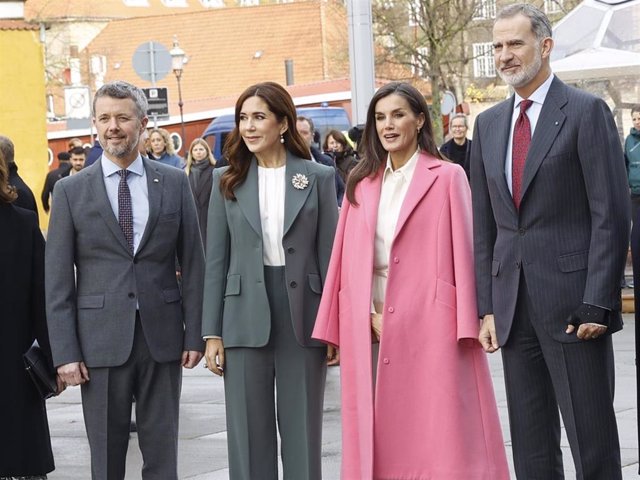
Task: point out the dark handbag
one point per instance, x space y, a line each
41 371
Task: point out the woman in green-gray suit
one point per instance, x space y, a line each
272 219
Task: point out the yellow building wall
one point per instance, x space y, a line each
22 106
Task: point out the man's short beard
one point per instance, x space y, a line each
526 74
123 150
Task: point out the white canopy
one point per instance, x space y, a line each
599 39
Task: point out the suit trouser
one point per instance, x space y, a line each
299 374
106 403
541 375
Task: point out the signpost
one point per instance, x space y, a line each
158 102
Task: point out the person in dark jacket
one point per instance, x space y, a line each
459 147
25 444
199 169
336 145
53 176
632 160
25 195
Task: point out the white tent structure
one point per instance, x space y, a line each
598 40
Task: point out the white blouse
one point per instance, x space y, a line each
395 184
271 190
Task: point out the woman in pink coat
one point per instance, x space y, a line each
401 273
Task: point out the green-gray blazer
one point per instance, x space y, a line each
235 305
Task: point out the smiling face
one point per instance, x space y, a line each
157 143
521 59
397 126
259 127
458 129
119 128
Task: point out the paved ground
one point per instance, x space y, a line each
203 436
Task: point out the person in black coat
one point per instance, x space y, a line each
53 176
25 445
199 169
458 148
25 195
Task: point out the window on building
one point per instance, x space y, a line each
419 62
485 9
414 12
248 3
553 6
483 64
175 3
212 3
136 3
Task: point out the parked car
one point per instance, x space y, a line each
324 119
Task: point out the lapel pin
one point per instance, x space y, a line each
557 123
155 180
300 181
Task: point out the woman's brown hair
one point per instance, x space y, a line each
7 192
372 153
338 137
238 155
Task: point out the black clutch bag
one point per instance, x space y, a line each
41 371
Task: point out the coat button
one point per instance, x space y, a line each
385 361
391 310
518 264
131 295
521 231
396 260
291 250
293 284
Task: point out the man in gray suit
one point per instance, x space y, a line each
119 323
551 226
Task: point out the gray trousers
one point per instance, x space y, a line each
106 404
299 375
541 375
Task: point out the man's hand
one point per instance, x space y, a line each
73 374
376 325
60 385
214 356
589 320
190 358
487 337
333 355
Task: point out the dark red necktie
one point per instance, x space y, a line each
521 141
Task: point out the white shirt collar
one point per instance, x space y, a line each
406 170
109 168
538 95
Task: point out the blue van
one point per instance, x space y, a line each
324 119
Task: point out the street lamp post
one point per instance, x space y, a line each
177 64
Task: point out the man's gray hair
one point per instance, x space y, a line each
540 24
121 89
462 116
302 118
7 150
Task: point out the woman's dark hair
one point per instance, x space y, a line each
7 193
338 137
281 105
372 153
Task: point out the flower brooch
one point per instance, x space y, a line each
300 181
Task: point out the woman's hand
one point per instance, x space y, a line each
376 325
333 355
214 356
61 386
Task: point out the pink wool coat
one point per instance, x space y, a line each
433 414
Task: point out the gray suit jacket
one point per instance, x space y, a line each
571 234
92 319
236 306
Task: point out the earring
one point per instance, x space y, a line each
281 139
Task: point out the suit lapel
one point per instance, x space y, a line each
101 200
549 124
423 177
155 187
294 198
247 197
